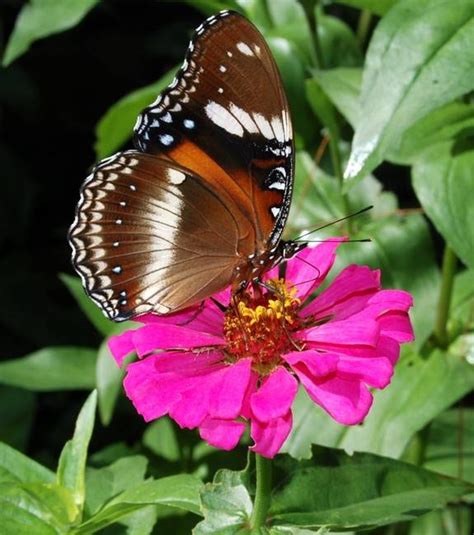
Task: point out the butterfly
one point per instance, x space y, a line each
202 202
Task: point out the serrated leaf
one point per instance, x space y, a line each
420 57
337 491
72 461
51 368
442 179
90 309
226 505
116 125
420 390
40 18
21 468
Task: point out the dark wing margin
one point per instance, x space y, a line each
149 236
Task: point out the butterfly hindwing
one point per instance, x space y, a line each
142 242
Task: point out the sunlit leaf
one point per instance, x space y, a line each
51 368
442 179
40 18
72 462
417 61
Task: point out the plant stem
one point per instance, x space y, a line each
337 167
263 491
363 27
310 11
447 280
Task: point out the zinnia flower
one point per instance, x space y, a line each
219 365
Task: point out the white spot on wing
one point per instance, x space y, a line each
176 177
166 139
263 125
244 118
222 68
277 126
245 49
223 118
275 210
189 123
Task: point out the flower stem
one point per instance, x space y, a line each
447 280
263 491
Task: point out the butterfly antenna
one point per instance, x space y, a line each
362 240
366 209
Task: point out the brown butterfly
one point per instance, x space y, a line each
202 203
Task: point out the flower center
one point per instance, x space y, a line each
259 325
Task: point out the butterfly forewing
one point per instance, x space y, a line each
142 241
226 117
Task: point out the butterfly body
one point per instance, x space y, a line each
203 201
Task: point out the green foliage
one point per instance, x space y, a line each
40 18
402 95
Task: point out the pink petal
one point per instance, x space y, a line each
319 364
152 337
121 345
352 281
392 300
189 363
346 332
270 436
397 326
273 273
223 434
227 396
386 347
375 372
274 398
246 411
347 401
151 394
308 269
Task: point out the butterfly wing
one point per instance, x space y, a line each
161 229
142 241
226 117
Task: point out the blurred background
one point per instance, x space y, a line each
55 106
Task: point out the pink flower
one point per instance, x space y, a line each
218 367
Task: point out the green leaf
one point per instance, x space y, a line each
181 491
290 64
419 58
72 462
210 7
342 86
322 108
90 309
338 43
442 179
35 508
51 368
420 390
462 304
116 125
448 123
289 22
109 376
18 467
17 411
160 438
40 18
257 12
450 444
226 505
379 7
362 491
103 484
